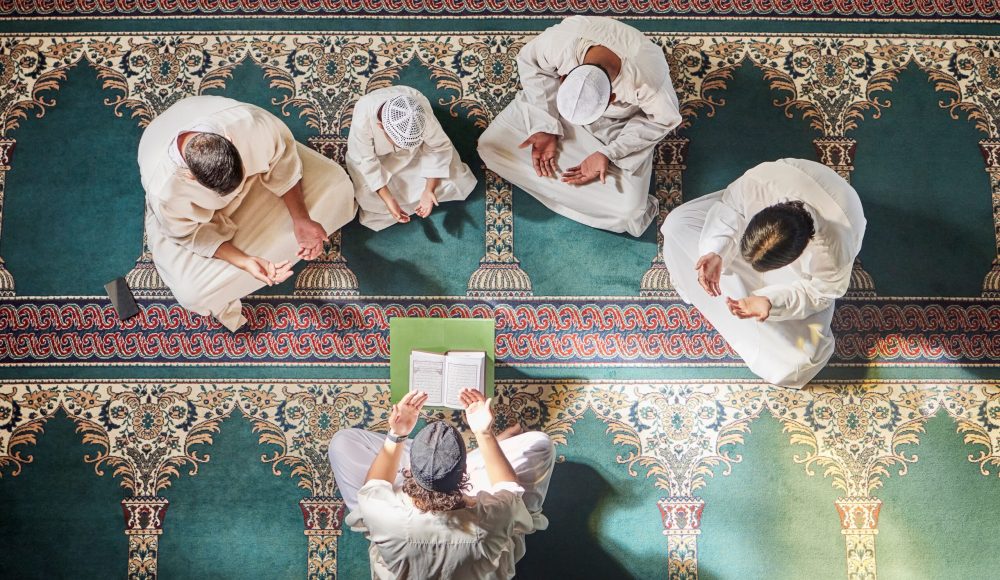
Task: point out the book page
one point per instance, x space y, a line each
427 375
465 370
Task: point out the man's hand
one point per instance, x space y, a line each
758 307
709 269
478 414
405 413
265 270
544 150
310 235
593 167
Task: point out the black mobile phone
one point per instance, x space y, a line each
121 298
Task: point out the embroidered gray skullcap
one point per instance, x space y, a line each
584 94
437 457
403 119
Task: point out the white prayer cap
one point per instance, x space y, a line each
584 94
403 119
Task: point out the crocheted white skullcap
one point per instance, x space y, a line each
403 119
584 94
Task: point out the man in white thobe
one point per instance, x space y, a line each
608 161
400 159
232 202
769 287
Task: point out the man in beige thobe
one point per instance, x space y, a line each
606 163
264 203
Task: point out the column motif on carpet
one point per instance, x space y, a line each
854 433
148 74
480 73
143 525
833 82
296 423
677 434
966 71
147 433
30 71
499 272
698 68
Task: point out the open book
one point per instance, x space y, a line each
443 376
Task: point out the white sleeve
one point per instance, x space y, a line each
538 65
361 152
826 279
660 115
436 150
724 224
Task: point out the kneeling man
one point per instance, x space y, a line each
765 259
400 159
432 511
232 202
596 98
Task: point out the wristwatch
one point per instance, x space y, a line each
394 438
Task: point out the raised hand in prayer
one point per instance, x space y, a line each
544 151
428 201
310 235
709 269
478 414
267 271
393 206
758 307
593 167
405 413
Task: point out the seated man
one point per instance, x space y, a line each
400 159
779 243
611 87
232 202
433 512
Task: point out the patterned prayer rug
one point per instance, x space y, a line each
674 460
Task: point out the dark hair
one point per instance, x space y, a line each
777 236
214 162
435 502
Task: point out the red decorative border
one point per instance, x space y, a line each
570 331
846 9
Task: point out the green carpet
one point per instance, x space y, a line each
675 462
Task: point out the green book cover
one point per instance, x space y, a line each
437 335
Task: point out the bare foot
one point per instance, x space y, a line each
509 432
427 203
393 206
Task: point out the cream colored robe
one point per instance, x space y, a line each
374 161
186 222
796 341
644 111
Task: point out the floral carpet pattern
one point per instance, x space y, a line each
926 358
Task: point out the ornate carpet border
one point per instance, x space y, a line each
678 436
851 10
529 332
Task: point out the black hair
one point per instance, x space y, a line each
777 236
214 161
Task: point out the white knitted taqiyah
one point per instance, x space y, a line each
584 94
403 120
